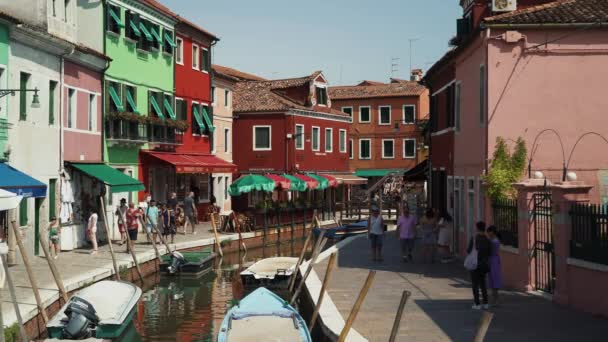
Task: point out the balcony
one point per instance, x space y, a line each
165 135
134 132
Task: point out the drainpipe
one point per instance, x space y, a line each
61 105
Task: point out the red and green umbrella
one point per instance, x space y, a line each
296 183
323 182
333 182
248 183
311 183
280 181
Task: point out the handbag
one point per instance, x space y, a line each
470 262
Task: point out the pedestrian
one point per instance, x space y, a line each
54 237
375 232
481 244
406 224
180 220
189 210
133 216
444 239
168 222
121 212
152 220
495 277
172 201
92 230
429 235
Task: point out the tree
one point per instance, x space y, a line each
506 168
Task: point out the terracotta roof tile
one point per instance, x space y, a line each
160 7
557 12
185 21
235 74
403 88
368 82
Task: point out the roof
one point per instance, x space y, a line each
368 82
271 95
403 88
187 22
235 74
557 12
160 8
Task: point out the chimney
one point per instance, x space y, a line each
416 75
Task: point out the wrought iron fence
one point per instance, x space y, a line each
124 130
505 219
589 240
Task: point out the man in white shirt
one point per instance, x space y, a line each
375 232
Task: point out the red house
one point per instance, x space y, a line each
289 126
189 165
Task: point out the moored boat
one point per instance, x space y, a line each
263 316
344 231
272 273
193 263
102 310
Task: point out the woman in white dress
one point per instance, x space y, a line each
92 230
444 240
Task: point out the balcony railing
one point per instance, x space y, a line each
164 135
120 130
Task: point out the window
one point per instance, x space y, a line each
71 108
409 114
342 141
194 57
205 60
132 26
179 51
197 122
409 148
154 31
197 183
113 19
316 136
168 43
130 94
66 11
226 140
365 149
145 39
329 143
212 136
226 98
350 149
364 115
52 95
92 113
457 107
299 137
23 219
213 96
54 8
168 106
348 110
321 96
384 115
24 79
181 110
388 148
450 107
113 97
261 138
226 188
482 94
52 198
155 99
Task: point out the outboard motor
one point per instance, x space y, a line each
177 260
82 320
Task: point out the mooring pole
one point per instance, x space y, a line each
292 279
11 289
131 248
53 267
328 271
355 310
105 225
404 297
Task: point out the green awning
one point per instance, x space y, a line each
131 102
197 118
145 31
134 28
207 120
116 17
169 40
323 182
296 183
376 172
116 99
156 107
169 109
156 34
118 181
247 183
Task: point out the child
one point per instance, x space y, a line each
495 278
54 230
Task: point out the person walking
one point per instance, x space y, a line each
121 212
133 216
54 236
481 244
92 230
172 201
406 224
189 210
429 235
375 232
444 238
168 222
495 277
152 220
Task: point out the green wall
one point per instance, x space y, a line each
4 41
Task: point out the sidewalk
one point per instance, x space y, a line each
440 306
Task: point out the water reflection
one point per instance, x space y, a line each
191 309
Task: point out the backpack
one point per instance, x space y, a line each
470 262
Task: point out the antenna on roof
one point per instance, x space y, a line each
394 65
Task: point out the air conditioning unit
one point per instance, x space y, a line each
504 5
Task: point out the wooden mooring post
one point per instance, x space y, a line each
54 271
484 324
217 237
292 279
355 310
11 289
320 244
105 225
328 271
131 249
404 297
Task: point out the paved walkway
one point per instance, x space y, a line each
440 306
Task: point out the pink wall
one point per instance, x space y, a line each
80 144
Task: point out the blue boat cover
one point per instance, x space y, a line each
19 183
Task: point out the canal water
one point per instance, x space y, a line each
192 309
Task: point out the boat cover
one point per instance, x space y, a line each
267 268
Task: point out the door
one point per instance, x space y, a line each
544 257
38 204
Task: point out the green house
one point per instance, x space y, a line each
4 43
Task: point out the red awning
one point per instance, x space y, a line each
311 183
194 163
280 181
333 182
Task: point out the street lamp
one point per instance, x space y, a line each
35 99
534 147
567 166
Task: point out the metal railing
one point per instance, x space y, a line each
589 239
136 132
505 219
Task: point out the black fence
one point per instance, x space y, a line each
123 130
589 240
505 219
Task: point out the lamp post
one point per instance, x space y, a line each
567 166
534 147
35 99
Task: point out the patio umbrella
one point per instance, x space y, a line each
9 200
280 181
333 182
311 183
323 182
296 183
247 183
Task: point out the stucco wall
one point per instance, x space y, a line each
4 45
222 118
32 11
90 23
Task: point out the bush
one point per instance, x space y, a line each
506 168
11 334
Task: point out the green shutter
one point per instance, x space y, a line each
159 112
169 40
131 101
52 201
116 17
197 117
207 120
145 31
156 34
23 212
134 27
52 86
23 96
169 109
116 99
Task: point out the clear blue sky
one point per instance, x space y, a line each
350 40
